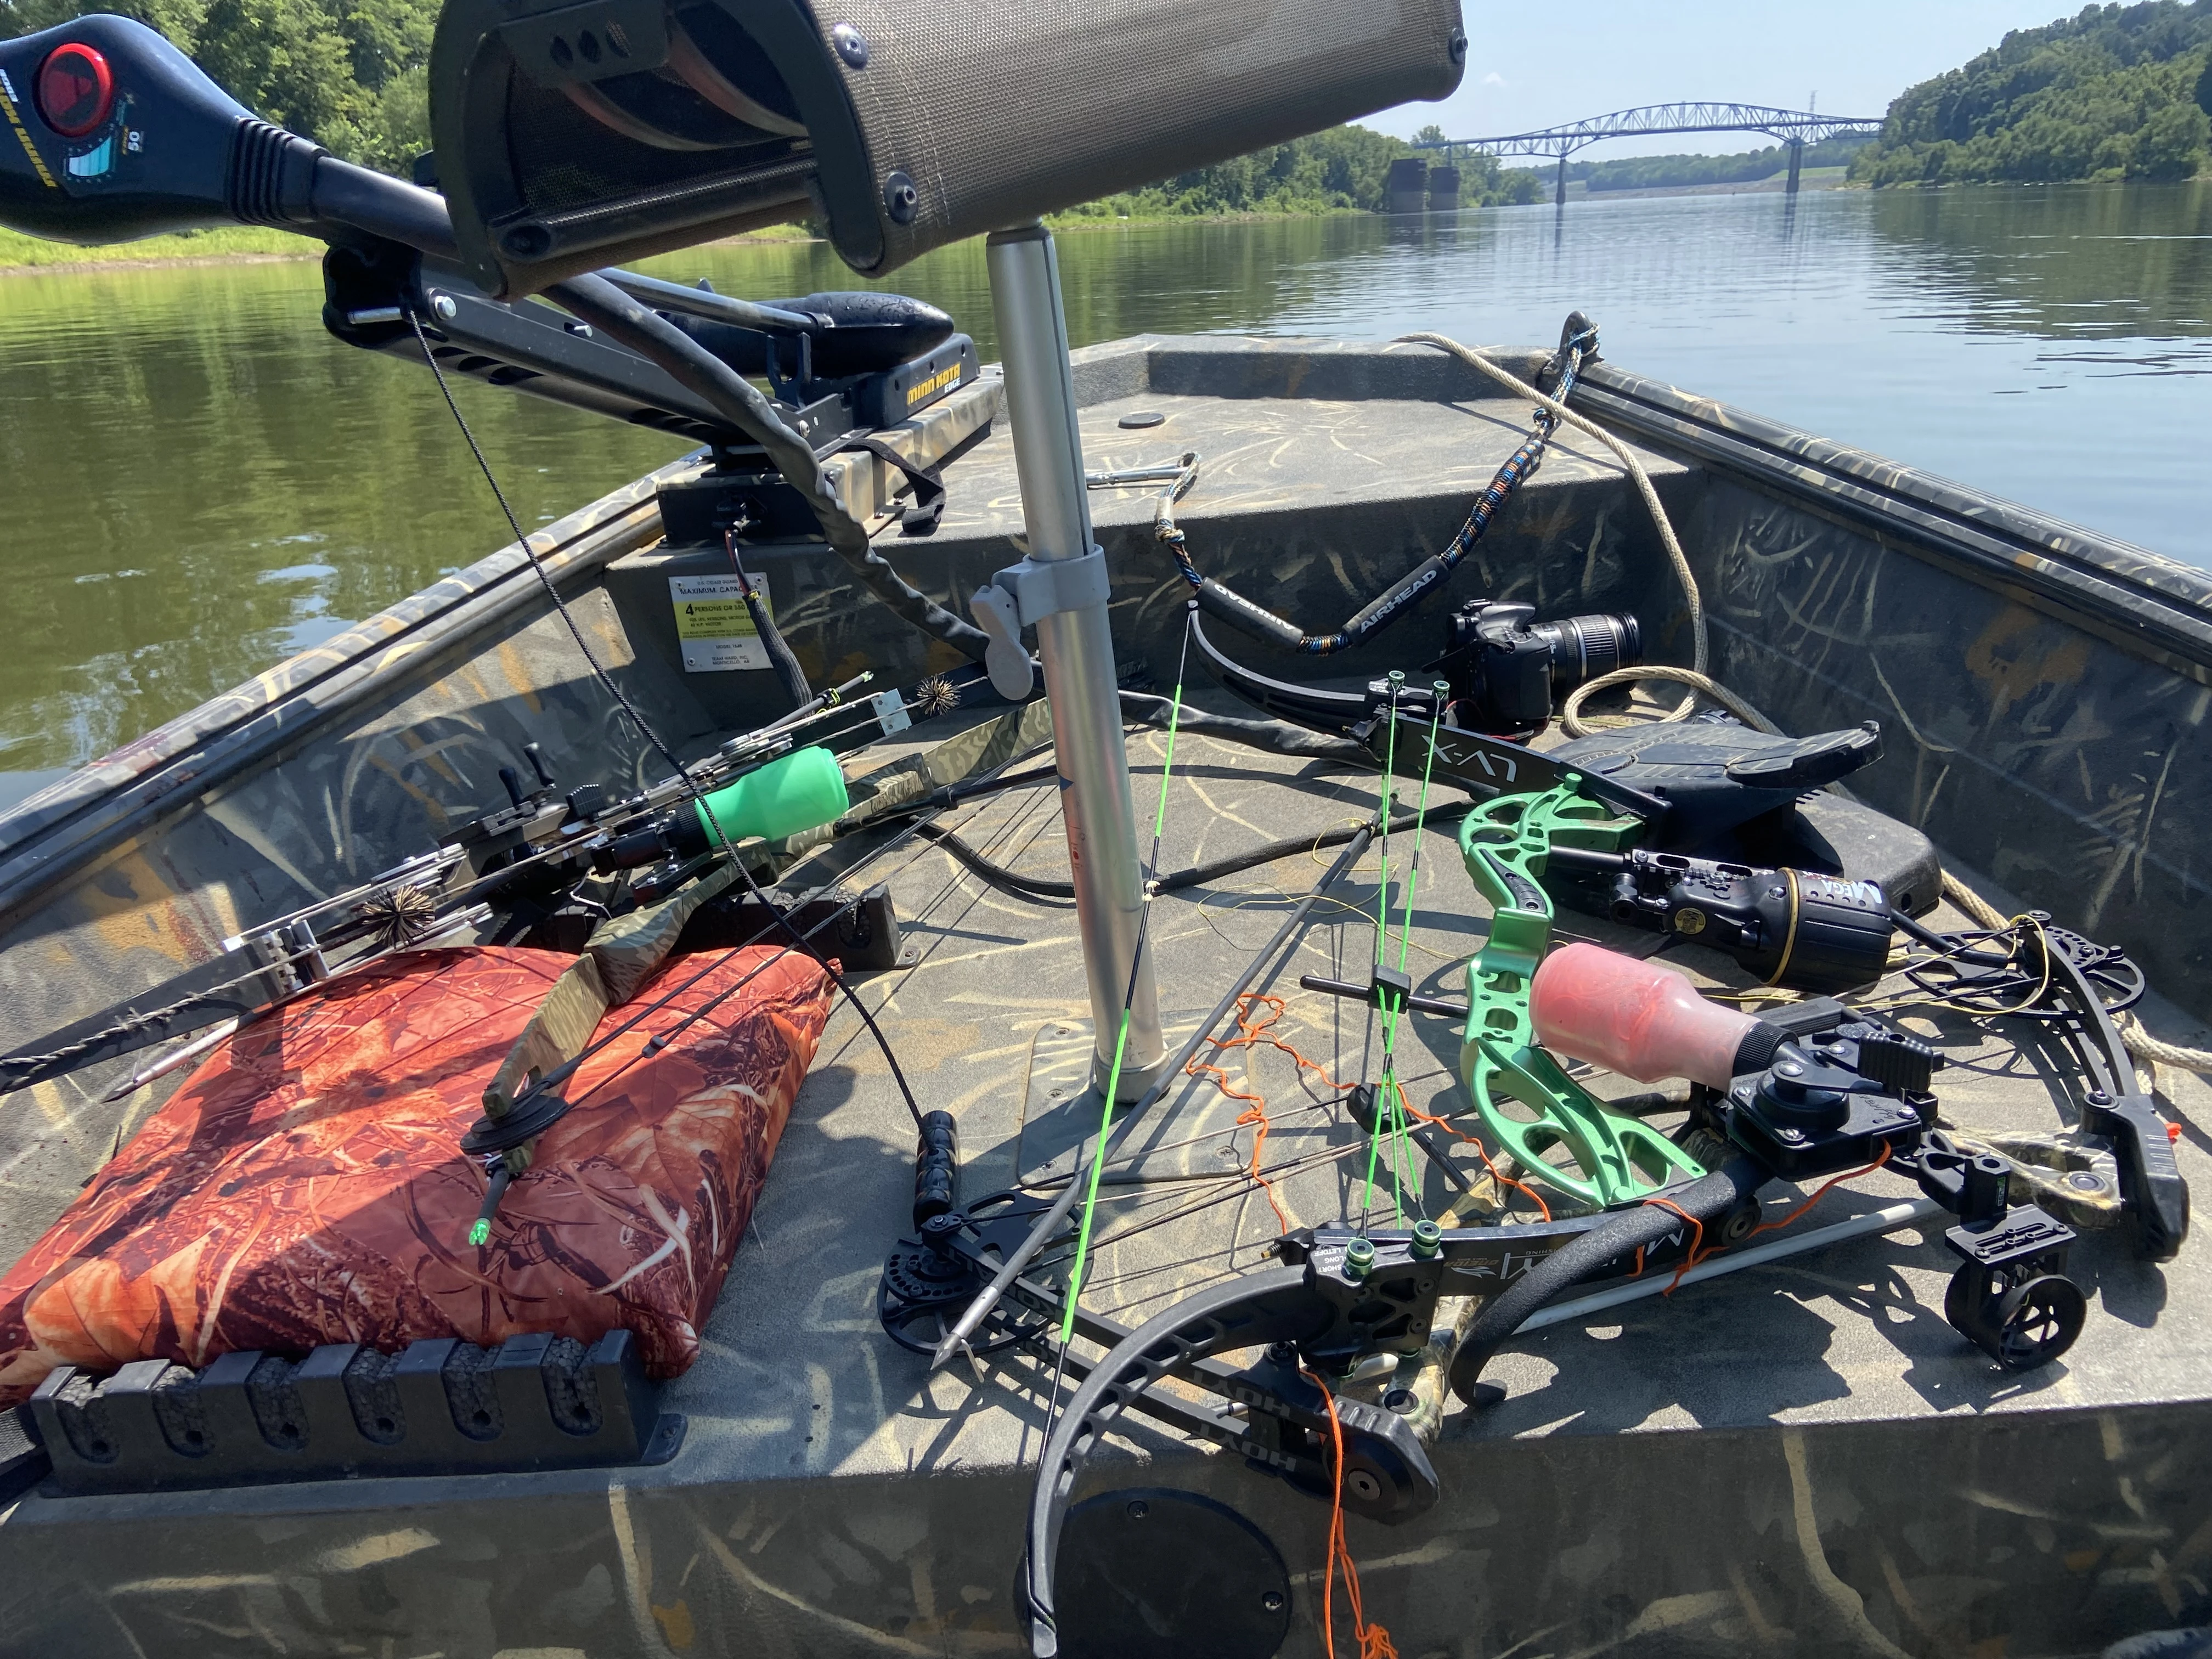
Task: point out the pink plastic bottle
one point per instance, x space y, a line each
1634 1017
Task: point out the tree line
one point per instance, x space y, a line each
2115 92
1344 167
352 75
1746 166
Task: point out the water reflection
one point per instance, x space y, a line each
200 481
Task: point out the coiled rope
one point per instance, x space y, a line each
1694 677
2140 1043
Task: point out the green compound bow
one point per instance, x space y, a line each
1616 1159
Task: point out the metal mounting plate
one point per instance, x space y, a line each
1153 1573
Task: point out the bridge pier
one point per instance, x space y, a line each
1559 192
1796 161
1407 185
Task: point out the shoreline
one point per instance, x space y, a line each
302 249
292 251
155 262
309 250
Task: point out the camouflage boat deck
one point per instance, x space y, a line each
1802 1459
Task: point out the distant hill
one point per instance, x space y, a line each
1746 166
2115 93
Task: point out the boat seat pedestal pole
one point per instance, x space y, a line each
1077 649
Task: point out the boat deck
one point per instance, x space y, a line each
804 1503
1803 1458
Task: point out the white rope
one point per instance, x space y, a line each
1520 388
1977 908
1575 725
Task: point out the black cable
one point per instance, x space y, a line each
1023 886
780 653
952 795
645 730
599 673
1272 737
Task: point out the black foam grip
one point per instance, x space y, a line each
1236 610
936 1168
1705 1200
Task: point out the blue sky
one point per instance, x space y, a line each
1538 65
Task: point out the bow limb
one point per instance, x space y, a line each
1276 1306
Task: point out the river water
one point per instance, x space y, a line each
198 481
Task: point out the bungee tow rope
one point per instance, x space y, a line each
1578 342
1518 468
1556 407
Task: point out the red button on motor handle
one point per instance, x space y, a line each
76 90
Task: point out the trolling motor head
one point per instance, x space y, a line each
119 136
574 135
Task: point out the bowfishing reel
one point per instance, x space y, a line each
1796 928
1506 669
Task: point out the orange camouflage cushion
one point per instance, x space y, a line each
307 1186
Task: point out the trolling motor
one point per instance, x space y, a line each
838 363
120 136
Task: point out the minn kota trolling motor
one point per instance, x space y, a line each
118 135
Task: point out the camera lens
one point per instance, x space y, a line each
1583 648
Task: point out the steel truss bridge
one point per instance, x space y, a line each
1795 128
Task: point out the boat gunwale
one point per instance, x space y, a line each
81 814
2095 583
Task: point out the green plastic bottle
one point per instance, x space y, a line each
802 791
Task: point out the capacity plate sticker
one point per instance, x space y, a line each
713 625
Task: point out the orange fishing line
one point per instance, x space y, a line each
1374 1641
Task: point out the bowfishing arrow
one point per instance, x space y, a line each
1049 1222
